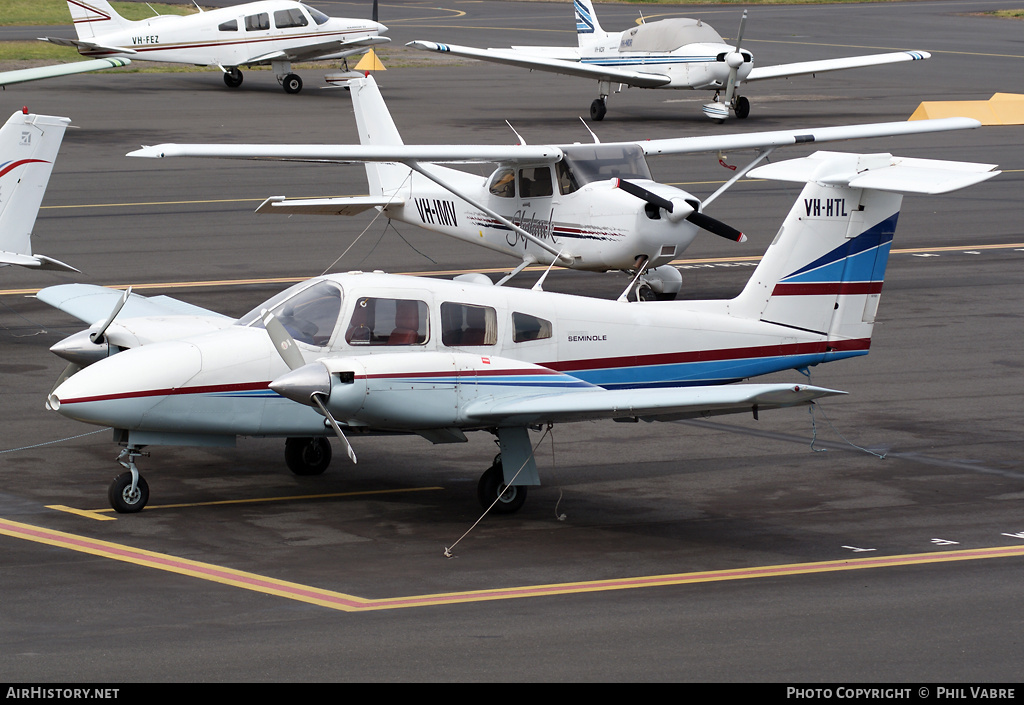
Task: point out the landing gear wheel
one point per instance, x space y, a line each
598 109
646 293
307 456
292 83
233 78
742 108
121 497
511 498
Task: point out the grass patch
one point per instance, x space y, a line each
1009 14
55 12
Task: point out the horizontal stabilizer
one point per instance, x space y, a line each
84 46
803 68
676 403
879 172
90 303
326 206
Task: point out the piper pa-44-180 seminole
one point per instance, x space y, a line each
274 32
677 53
590 207
365 353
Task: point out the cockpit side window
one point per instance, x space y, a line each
503 183
388 322
229 26
467 325
526 327
257 22
566 179
535 182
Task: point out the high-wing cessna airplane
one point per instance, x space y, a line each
676 53
590 207
368 353
28 148
274 32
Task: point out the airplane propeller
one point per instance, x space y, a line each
735 60
317 391
678 209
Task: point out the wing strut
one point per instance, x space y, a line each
559 257
761 155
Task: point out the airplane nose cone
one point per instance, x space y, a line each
381 29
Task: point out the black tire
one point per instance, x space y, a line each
307 456
742 107
122 499
511 498
233 78
598 110
292 83
646 293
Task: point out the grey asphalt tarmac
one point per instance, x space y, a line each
789 561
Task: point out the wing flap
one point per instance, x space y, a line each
352 205
803 68
655 404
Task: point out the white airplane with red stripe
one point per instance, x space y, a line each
371 353
269 32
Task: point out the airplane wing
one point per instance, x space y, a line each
8 78
649 404
550 64
326 206
90 303
854 62
357 153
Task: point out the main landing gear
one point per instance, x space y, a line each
511 498
307 456
291 82
599 108
233 77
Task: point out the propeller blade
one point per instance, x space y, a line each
644 195
283 341
716 227
374 18
97 337
734 65
337 429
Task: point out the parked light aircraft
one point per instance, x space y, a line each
28 148
590 207
8 78
274 32
367 353
677 53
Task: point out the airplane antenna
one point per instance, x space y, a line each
643 20
596 140
202 10
522 142
155 13
540 282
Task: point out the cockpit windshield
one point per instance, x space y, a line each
309 312
317 16
599 162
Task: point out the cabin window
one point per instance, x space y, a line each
229 26
257 22
466 325
566 179
526 327
503 183
535 182
284 19
388 322
317 16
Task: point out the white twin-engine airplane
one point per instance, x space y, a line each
274 32
590 207
676 53
373 353
28 148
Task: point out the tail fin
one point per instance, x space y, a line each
588 29
94 18
28 148
375 126
823 272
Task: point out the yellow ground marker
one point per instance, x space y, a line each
1000 109
351 603
370 62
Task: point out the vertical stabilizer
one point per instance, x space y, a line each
823 272
376 127
94 18
28 148
588 28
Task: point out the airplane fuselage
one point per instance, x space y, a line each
690 67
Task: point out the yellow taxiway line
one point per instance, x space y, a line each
352 603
